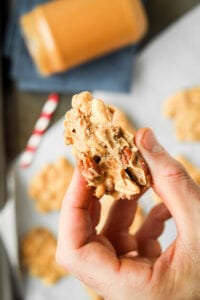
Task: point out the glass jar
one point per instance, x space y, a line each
62 34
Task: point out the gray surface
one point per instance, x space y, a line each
9 289
22 109
6 286
164 12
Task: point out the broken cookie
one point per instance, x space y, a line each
120 119
105 151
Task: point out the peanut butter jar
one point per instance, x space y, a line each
62 34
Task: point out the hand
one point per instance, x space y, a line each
107 261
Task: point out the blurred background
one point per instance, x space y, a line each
24 91
161 13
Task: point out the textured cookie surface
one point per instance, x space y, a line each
120 119
105 152
49 185
184 108
38 249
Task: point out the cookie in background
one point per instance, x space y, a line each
37 253
48 187
184 109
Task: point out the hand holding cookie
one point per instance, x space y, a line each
123 266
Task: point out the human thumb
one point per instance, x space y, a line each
170 180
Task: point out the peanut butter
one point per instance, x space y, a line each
63 34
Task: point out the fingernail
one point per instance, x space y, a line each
150 143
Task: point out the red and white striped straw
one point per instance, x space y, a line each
39 129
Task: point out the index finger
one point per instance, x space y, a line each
79 249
